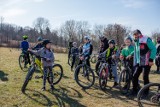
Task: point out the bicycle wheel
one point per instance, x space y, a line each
57 74
27 79
93 59
21 62
152 99
125 81
97 67
84 76
103 79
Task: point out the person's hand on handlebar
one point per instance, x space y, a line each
129 57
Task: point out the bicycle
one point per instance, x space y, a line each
23 60
125 77
57 73
153 97
104 72
84 72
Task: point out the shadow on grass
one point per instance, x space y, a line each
39 98
64 99
3 76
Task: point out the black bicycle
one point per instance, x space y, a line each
24 61
57 71
84 75
152 99
125 77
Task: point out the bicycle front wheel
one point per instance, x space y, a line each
103 79
27 79
84 76
150 99
125 81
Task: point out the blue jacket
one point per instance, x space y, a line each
87 49
24 45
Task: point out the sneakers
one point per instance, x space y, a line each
116 85
44 88
132 93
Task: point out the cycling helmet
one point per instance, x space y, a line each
128 37
25 37
39 39
46 41
74 44
111 42
87 37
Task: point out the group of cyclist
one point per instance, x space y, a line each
140 51
41 49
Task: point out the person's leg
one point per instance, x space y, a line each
136 75
51 77
69 53
88 61
114 72
146 76
44 77
73 61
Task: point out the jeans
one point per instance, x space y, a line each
45 72
114 72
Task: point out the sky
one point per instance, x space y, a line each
137 14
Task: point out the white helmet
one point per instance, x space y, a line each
87 37
74 44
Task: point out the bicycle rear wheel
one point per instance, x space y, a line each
27 79
57 74
103 79
84 76
70 61
93 59
152 99
125 81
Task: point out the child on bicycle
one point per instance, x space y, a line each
74 53
111 56
158 55
24 46
47 61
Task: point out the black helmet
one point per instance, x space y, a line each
136 32
46 41
111 42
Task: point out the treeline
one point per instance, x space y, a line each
71 30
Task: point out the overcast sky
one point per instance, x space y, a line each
137 14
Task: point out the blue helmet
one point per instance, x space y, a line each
39 39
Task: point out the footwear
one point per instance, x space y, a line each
116 85
133 93
44 88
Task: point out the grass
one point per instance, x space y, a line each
66 94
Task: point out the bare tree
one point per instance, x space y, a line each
41 24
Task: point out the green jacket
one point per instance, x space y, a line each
127 51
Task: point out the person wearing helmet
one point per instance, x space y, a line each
74 53
39 44
111 57
24 47
86 50
103 44
47 61
158 55
144 54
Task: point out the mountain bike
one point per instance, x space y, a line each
152 99
23 60
56 69
84 75
125 77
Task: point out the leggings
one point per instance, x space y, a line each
45 71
